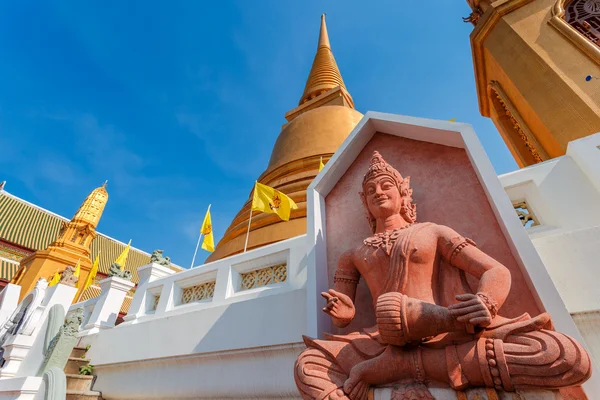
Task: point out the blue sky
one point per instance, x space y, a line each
178 104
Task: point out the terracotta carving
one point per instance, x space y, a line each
430 324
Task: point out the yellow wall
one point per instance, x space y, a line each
543 74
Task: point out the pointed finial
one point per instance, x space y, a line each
105 183
324 74
323 36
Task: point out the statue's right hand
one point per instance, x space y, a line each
338 305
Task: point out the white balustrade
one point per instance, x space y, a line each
269 270
102 312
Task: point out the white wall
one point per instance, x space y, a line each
240 341
566 202
564 195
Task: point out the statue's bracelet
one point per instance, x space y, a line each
490 304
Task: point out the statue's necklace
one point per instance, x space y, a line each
385 239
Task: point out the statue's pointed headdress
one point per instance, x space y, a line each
377 167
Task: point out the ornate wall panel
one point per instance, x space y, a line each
263 277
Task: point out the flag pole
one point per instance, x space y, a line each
249 219
196 251
199 238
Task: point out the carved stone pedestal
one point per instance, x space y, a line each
402 392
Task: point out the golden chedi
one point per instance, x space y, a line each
534 62
315 129
71 246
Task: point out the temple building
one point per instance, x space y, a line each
487 292
35 243
324 117
535 63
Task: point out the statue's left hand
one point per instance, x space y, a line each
471 309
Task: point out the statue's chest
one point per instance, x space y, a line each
402 245
415 253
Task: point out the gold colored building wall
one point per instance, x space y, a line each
542 74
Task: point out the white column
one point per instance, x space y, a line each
108 306
147 273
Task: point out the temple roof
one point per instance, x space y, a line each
32 227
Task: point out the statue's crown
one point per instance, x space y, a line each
378 166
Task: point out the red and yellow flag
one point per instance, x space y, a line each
269 200
208 243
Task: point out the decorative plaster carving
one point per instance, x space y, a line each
264 276
519 125
585 44
33 311
203 291
68 277
158 258
525 214
60 347
119 272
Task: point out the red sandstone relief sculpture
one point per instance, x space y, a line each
430 326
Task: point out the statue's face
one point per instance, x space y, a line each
382 196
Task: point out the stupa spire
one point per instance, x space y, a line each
323 35
91 210
324 74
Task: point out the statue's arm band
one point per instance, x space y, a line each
346 276
458 244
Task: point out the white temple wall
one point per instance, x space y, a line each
239 341
242 342
564 196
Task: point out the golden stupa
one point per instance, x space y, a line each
316 128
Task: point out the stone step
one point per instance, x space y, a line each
83 395
79 382
73 365
78 352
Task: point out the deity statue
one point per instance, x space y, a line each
430 325
68 277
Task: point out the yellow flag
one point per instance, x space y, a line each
269 200
55 279
92 275
122 259
321 165
208 243
77 269
452 120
